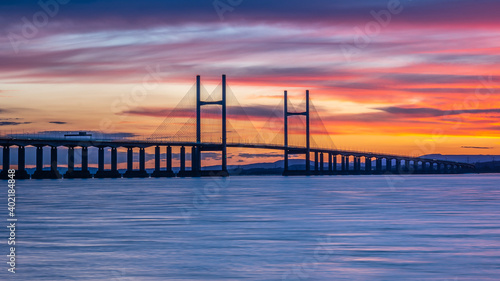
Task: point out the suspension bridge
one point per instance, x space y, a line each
213 123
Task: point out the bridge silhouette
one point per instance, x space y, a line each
207 132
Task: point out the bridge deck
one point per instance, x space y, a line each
67 142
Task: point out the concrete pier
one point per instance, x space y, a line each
398 167
131 173
5 163
388 165
330 163
182 171
321 163
378 163
334 163
83 173
103 173
40 173
21 172
158 172
416 169
316 162
368 165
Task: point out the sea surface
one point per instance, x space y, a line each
425 227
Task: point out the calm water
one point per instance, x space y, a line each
258 228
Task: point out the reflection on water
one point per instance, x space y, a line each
259 228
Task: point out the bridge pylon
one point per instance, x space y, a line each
288 151
196 170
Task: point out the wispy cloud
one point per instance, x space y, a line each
434 112
13 123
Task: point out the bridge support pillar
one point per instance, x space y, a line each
71 159
53 173
6 163
113 173
388 165
183 159
142 159
77 174
21 172
330 163
321 162
130 159
100 165
398 166
355 164
347 164
114 160
157 159
159 173
85 159
39 158
285 164
342 163
195 162
169 159
182 162
131 173
53 160
316 160
378 163
368 165
407 166
415 167
334 170
6 158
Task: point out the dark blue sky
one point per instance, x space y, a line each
121 14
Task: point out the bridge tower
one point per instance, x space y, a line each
288 151
199 148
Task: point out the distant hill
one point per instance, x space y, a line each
484 164
471 159
293 164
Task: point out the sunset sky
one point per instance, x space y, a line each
387 76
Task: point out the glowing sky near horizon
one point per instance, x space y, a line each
431 71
